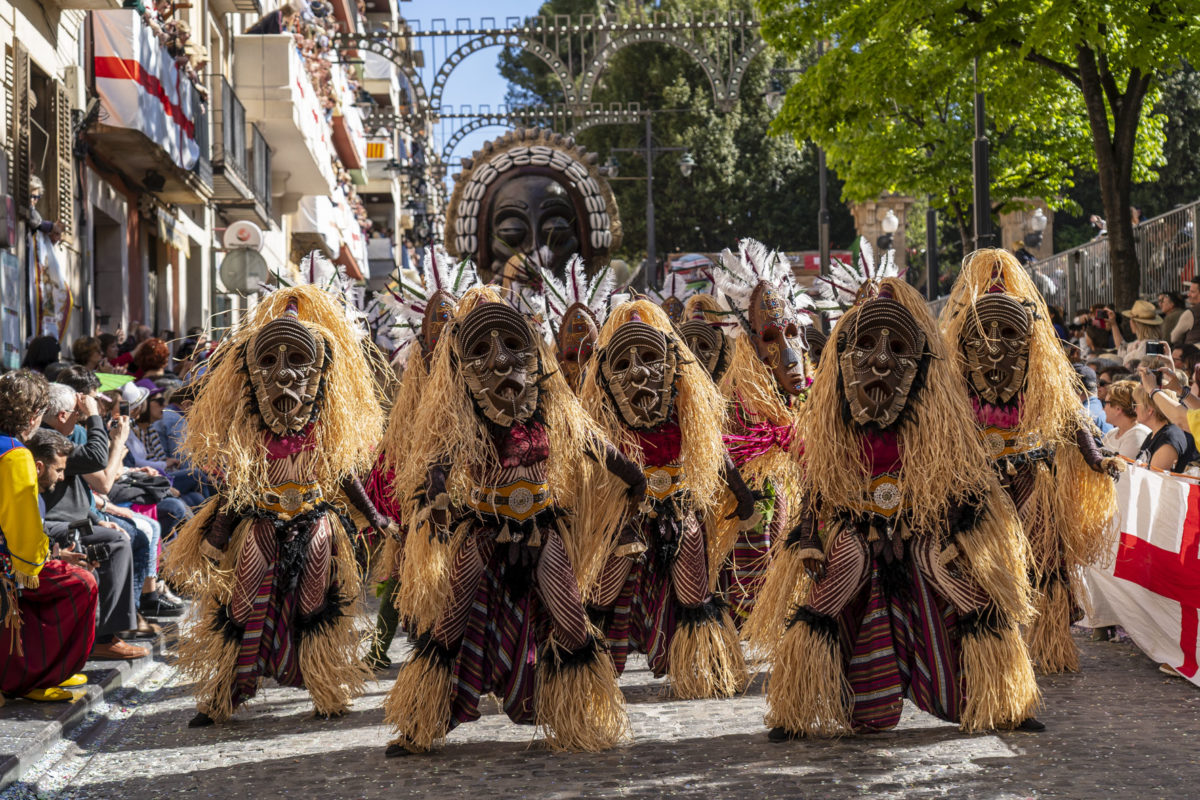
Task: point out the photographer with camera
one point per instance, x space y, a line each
47 598
1168 446
71 501
1146 326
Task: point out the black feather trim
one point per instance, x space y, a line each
706 613
429 648
823 625
224 624
983 621
559 658
324 617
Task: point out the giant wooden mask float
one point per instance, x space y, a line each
528 190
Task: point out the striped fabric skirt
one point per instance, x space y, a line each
896 643
58 627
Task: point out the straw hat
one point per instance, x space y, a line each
1143 311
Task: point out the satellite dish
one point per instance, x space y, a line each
243 234
243 270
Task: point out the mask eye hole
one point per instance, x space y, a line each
1008 332
267 360
513 343
792 331
621 364
898 347
296 359
866 342
481 349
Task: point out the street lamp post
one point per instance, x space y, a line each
983 202
686 164
931 252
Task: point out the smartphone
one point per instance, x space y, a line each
1157 349
124 409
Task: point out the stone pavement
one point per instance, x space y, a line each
1118 729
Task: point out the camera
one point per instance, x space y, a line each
1102 313
95 553
1156 349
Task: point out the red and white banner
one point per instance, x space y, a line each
1151 585
141 87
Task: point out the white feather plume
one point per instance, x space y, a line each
576 287
839 290
405 297
738 275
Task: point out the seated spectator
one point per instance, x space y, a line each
147 447
71 501
1166 446
150 361
1171 306
1120 410
1091 403
41 353
109 351
47 628
1146 325
1186 331
86 351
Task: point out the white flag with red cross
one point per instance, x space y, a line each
1150 584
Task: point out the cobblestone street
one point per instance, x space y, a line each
1120 728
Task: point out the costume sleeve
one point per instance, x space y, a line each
216 538
739 489
357 495
1088 446
626 469
19 516
93 455
804 536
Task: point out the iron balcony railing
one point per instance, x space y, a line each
230 119
260 168
1167 248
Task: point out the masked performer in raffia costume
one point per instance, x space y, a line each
764 384
420 309
920 584
578 304
286 417
514 481
1043 447
653 596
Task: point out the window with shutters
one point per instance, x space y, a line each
18 119
62 205
50 144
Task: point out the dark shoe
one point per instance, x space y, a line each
155 605
1104 633
333 715
780 734
201 720
1031 725
119 651
396 749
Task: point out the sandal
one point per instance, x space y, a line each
51 695
78 679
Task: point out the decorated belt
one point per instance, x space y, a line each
662 482
291 499
883 497
519 500
1005 443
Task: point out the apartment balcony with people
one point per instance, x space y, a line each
151 123
349 136
241 160
272 82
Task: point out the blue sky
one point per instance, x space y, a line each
475 81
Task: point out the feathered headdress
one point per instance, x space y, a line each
317 270
847 284
754 264
407 296
576 288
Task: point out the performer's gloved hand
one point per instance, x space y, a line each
388 528
805 541
744 510
216 538
1113 465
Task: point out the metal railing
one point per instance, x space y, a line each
1167 248
260 168
230 119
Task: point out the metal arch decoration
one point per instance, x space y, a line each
486 121
382 47
734 87
502 39
565 118
699 54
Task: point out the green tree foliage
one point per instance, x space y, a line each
745 183
1104 59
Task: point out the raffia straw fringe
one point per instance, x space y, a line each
210 660
720 536
418 704
425 577
183 557
1000 689
389 563
784 589
580 707
996 552
329 663
1087 501
807 693
706 660
1041 521
1049 634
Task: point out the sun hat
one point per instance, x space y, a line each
1143 311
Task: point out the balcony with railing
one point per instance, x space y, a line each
280 99
239 190
153 125
1168 251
